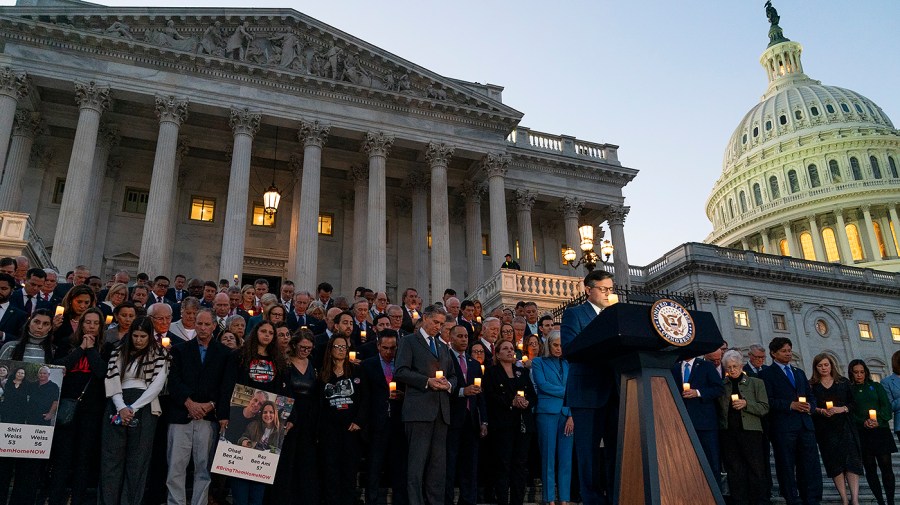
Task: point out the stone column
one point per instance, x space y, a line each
472 192
244 125
360 177
870 231
843 241
818 246
13 87
571 210
26 127
417 183
107 140
616 218
313 135
296 164
767 245
789 236
156 244
438 156
524 204
378 145
892 211
181 151
745 245
109 184
889 245
494 166
92 101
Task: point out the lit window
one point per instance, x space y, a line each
856 251
485 245
326 221
895 333
58 190
894 235
135 201
779 322
517 250
741 318
831 247
806 246
881 247
260 218
202 208
783 247
865 332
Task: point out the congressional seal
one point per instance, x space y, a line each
672 322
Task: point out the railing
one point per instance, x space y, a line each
506 287
37 246
564 145
17 237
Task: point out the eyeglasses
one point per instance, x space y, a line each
308 348
477 351
340 347
507 331
602 289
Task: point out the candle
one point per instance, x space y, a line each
477 319
520 345
520 393
612 298
235 278
108 320
304 327
524 358
415 315
59 310
686 386
392 386
829 405
802 399
734 398
352 355
250 312
873 415
482 369
166 342
478 381
439 374
362 333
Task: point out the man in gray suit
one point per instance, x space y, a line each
426 409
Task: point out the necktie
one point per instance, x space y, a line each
158 299
302 320
28 305
462 365
388 373
221 324
790 375
159 337
687 372
178 295
202 354
432 346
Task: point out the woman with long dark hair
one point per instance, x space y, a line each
76 302
75 457
136 374
123 316
872 413
258 364
34 346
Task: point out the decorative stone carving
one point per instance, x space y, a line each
313 133
244 122
403 206
120 30
524 199
495 165
229 151
27 123
91 95
437 94
378 143
796 306
846 311
879 315
171 109
571 207
238 44
359 174
114 167
615 215
438 153
42 155
417 180
182 149
471 190
108 136
295 162
721 297
759 302
169 37
704 295
212 41
12 84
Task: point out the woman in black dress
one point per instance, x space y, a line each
872 414
835 433
510 396
14 408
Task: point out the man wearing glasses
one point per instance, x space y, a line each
591 395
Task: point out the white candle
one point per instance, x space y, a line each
612 299
482 369
802 399
362 333
352 355
686 386
235 278
829 405
415 315
59 310
439 374
108 320
734 398
873 415
478 381
478 319
524 358
166 342
520 345
392 386
520 393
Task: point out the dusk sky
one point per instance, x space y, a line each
666 81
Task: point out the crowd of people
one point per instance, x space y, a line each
441 403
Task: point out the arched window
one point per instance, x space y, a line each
835 171
892 166
783 247
876 170
806 246
757 195
855 170
813 176
894 235
831 247
793 182
742 198
773 188
730 208
856 250
880 236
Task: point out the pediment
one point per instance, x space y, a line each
280 46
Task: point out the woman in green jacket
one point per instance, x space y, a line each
871 414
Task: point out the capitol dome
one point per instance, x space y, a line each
810 172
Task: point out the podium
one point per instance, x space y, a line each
659 459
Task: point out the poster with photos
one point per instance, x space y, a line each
29 398
251 445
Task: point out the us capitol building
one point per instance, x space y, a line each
161 139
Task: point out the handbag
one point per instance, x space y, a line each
65 412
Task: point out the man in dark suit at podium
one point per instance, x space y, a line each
591 395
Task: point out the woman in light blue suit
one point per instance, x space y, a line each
554 422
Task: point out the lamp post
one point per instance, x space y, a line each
588 257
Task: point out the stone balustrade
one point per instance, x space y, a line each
507 287
18 238
563 145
